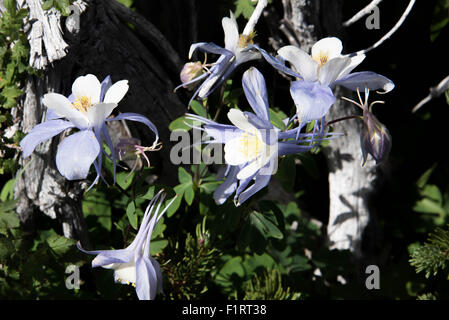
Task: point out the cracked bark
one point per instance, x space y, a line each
103 44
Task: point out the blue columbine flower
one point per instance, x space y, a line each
231 56
251 144
320 72
134 265
88 109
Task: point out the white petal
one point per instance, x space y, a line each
233 156
330 47
355 61
116 92
330 71
231 32
239 120
99 112
124 273
87 86
63 108
301 61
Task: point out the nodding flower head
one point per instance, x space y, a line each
375 138
190 71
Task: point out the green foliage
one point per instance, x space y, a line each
61 5
432 256
245 8
268 286
440 18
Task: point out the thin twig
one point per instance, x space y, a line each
359 15
393 30
435 92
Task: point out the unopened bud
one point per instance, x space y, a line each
190 71
375 138
126 148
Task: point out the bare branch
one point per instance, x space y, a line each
362 13
261 4
393 30
435 92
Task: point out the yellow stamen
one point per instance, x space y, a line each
250 145
82 104
245 40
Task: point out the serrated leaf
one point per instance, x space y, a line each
244 7
59 244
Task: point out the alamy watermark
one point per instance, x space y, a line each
373 279
373 20
73 279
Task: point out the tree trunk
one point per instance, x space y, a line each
103 44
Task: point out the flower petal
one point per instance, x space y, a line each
63 108
231 32
228 186
331 70
98 113
158 270
239 120
301 61
312 100
146 279
209 47
42 132
105 85
255 90
368 79
355 61
139 118
260 182
87 86
330 47
76 153
116 92
291 148
275 62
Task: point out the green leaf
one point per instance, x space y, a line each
6 248
266 224
9 220
10 6
63 7
244 7
276 118
125 179
59 244
157 246
183 176
189 194
12 92
209 187
287 173
132 215
47 4
180 124
440 18
427 205
198 108
7 192
422 181
127 3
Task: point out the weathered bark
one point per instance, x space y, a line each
350 185
103 45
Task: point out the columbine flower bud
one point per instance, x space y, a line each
190 71
375 138
126 149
